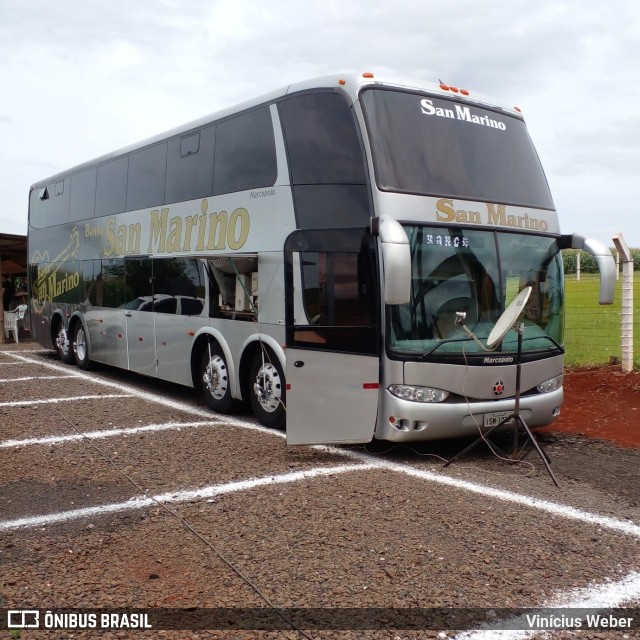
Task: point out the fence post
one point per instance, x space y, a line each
2 314
627 302
578 265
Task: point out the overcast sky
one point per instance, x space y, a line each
79 78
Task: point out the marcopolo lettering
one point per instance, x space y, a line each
498 360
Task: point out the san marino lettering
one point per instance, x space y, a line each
460 112
495 215
215 231
57 284
49 284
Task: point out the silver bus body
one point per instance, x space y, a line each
246 291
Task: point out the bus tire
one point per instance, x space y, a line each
80 347
214 380
63 346
267 390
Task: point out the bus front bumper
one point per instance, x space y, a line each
406 421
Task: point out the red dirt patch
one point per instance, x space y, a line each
603 403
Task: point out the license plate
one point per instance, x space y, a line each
492 419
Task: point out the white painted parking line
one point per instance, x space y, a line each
150 397
180 496
29 378
555 508
106 396
12 364
41 350
603 596
610 594
107 433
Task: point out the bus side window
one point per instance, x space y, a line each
146 175
56 205
110 283
111 187
190 166
83 195
338 302
245 153
138 284
326 161
177 286
322 140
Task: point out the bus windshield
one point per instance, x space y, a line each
477 273
435 146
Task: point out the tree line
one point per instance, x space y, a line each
588 263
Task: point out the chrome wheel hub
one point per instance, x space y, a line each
215 378
62 341
268 387
80 345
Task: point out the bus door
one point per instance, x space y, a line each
332 336
139 318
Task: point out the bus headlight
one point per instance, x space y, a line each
551 385
418 394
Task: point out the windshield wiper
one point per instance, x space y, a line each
435 347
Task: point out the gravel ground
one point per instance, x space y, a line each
368 536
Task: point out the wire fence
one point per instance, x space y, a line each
593 332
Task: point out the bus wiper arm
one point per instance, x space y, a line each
545 337
435 347
427 353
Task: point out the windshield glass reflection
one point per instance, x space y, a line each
477 273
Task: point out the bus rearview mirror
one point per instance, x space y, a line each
396 258
604 259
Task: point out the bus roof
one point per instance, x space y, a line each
350 83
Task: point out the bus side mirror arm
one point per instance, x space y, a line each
604 259
396 259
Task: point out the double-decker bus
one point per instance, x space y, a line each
310 252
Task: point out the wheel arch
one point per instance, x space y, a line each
78 319
212 336
57 319
250 349
75 319
60 324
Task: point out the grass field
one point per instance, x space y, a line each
592 331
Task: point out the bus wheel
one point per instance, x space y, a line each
63 347
214 380
80 347
267 392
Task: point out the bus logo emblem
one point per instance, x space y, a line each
498 388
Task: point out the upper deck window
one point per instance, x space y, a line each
432 146
83 195
190 166
322 140
111 187
245 156
145 180
326 161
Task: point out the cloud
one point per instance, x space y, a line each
84 77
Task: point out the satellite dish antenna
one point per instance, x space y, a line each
508 318
505 322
